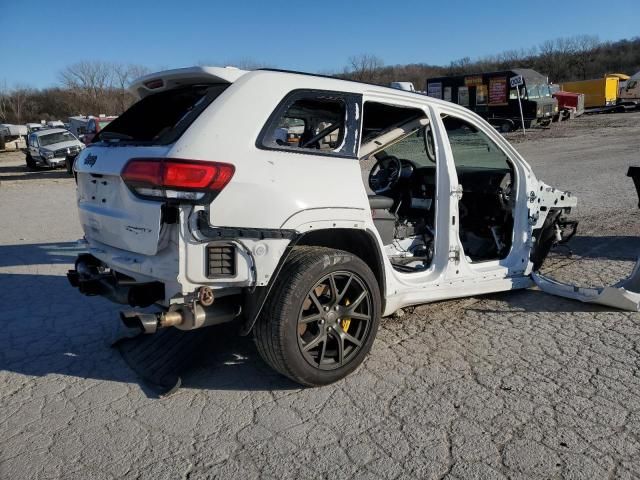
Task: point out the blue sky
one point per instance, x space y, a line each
40 38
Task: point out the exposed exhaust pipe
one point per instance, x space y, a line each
91 281
150 322
183 318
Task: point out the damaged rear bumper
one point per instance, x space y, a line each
624 295
91 277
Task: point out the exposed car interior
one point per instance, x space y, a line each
399 144
316 123
488 198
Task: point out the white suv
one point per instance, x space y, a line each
225 195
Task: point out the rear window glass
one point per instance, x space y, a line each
163 117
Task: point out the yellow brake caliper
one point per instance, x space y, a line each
345 322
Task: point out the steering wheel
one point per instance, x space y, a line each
385 174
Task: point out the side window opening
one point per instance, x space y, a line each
379 117
322 122
399 152
488 181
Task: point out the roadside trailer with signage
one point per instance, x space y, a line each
492 96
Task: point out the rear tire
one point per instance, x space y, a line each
321 317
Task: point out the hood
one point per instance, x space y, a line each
57 146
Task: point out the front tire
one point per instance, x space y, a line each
31 163
506 127
68 162
321 317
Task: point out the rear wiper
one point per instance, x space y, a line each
115 136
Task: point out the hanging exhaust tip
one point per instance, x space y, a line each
151 322
145 322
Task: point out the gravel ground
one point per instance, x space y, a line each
512 385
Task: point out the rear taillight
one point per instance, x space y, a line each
172 178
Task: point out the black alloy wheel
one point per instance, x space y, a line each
334 320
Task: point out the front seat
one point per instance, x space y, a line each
378 202
383 219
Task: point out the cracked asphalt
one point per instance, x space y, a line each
511 385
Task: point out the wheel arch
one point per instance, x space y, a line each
359 242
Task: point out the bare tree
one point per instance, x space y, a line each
90 82
123 75
585 51
364 67
4 99
460 66
18 102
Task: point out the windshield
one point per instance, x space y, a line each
412 148
544 91
57 137
532 92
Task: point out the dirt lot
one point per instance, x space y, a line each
513 385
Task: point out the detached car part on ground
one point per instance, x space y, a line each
240 198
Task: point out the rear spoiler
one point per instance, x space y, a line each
168 79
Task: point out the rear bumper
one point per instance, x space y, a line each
92 277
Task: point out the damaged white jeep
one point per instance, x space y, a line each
233 196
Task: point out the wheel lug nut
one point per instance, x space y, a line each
326 309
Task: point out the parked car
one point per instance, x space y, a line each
491 96
195 200
56 124
94 126
34 127
50 147
78 125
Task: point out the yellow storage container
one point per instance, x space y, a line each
601 92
